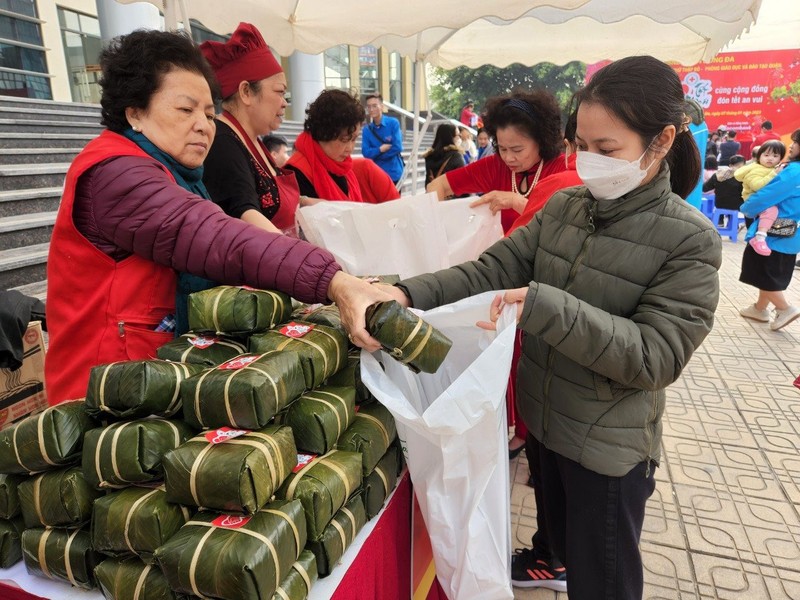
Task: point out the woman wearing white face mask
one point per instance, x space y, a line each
615 285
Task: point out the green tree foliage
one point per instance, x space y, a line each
451 89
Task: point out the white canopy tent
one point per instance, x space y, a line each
450 33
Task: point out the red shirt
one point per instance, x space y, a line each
545 189
376 185
765 136
491 174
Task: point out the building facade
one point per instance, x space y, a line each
49 50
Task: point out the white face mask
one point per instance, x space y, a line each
608 178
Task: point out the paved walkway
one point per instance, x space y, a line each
724 521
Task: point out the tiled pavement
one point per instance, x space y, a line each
724 521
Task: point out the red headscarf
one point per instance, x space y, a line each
321 165
244 57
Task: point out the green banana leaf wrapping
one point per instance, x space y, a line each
233 557
321 314
11 542
51 439
319 417
245 392
131 452
136 389
9 496
380 483
406 337
131 579
338 536
60 498
371 434
202 349
302 576
60 554
350 376
229 309
323 350
230 470
135 521
323 485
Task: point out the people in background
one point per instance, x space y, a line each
467 145
382 139
526 129
134 211
755 176
771 274
709 168
278 149
766 134
376 187
727 148
485 146
615 285
240 173
444 155
727 189
322 158
468 116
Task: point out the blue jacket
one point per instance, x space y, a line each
388 132
784 192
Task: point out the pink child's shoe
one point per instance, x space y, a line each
759 244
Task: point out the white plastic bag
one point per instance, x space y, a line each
407 237
453 428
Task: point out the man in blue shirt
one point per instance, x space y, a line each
382 140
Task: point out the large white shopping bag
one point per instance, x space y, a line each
407 237
452 425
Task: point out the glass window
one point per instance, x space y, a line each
80 35
25 86
395 78
368 69
337 67
26 59
20 31
89 25
22 7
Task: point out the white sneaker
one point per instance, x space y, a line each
751 312
784 317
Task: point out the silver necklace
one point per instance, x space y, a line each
532 185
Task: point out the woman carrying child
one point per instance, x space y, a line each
755 176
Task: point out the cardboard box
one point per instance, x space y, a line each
22 391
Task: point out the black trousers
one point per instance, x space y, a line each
592 523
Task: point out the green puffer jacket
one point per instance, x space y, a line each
612 315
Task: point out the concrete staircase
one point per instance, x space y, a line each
38 140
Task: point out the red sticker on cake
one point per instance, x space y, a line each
238 362
223 434
230 521
296 330
203 342
302 461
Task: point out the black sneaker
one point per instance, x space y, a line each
527 571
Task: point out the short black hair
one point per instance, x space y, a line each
776 146
133 67
333 113
736 159
376 96
766 125
731 134
274 142
536 114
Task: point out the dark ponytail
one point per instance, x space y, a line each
646 94
684 164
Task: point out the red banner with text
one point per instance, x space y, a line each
741 90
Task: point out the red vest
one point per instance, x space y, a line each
98 310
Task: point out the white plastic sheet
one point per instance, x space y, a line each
407 237
452 425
